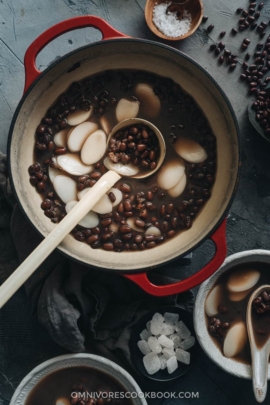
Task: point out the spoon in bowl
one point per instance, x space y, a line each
178 8
88 201
259 347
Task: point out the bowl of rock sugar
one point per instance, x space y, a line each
173 20
163 344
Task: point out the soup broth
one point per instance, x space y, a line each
148 211
231 299
78 385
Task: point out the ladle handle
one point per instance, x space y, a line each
55 237
219 239
31 71
260 373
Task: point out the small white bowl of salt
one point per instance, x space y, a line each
173 20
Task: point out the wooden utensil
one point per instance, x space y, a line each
103 185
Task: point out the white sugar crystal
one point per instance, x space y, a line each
182 330
165 342
144 335
163 362
172 364
171 318
168 352
151 363
167 329
154 344
143 346
176 339
187 343
157 317
182 356
148 326
168 24
156 327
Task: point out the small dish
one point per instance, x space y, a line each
194 7
230 365
137 356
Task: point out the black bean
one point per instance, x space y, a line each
92 239
210 28
49 213
112 197
234 31
222 34
139 222
125 188
124 229
204 19
171 233
60 150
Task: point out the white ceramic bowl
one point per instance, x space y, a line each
72 360
230 365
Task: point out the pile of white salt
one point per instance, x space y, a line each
168 23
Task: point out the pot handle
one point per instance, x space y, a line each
219 239
31 71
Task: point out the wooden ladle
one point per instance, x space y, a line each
259 355
89 200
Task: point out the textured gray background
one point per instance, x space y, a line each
23 342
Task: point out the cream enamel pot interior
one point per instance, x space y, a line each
199 318
116 52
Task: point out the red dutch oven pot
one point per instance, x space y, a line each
117 51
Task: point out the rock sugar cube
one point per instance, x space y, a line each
182 356
144 335
151 363
187 343
163 362
165 342
148 327
172 364
182 330
156 327
167 329
154 345
176 339
168 352
157 317
171 318
143 346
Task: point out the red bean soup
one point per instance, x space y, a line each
226 307
70 155
79 385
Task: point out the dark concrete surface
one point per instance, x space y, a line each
23 341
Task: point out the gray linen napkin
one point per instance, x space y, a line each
80 306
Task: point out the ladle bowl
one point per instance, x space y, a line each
162 146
